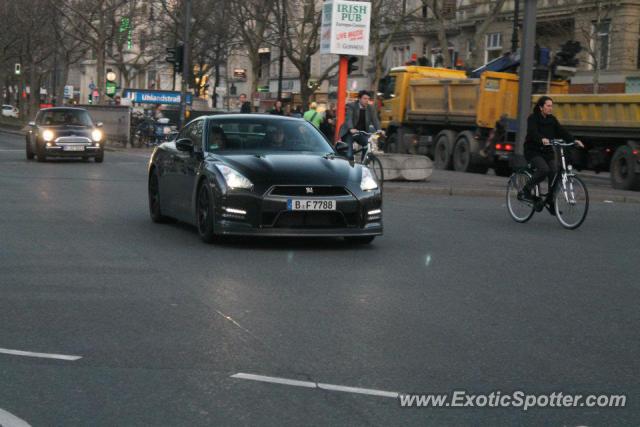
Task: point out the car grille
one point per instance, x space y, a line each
300 190
310 220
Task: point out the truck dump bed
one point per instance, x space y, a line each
599 115
466 102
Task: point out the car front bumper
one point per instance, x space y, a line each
248 214
60 151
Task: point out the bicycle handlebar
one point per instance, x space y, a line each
562 143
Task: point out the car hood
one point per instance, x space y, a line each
293 169
68 130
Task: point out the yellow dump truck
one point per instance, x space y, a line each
469 124
452 118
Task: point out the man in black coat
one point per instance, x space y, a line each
360 116
542 127
245 106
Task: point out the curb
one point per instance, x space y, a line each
472 192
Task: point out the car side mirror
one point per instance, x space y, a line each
342 148
99 124
184 144
32 123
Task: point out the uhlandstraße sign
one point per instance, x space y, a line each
345 28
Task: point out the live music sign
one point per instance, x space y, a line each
345 28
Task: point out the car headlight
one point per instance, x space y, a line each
48 135
96 135
234 179
368 182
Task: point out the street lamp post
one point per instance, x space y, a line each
185 64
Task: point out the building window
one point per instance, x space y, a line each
493 47
600 44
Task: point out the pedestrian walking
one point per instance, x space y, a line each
245 106
277 109
313 116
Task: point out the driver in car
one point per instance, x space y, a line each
218 139
275 138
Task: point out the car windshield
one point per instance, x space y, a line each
65 118
256 136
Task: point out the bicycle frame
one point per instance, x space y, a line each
563 173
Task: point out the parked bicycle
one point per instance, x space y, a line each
366 154
567 198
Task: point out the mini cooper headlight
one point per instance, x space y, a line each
48 135
96 135
234 179
368 182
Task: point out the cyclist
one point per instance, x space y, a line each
542 127
360 116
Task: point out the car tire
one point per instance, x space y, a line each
30 153
205 213
155 210
359 240
40 153
99 158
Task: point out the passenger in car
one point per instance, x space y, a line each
218 140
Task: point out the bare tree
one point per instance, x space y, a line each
481 31
91 23
388 18
252 18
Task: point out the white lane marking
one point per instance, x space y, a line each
310 384
40 355
274 380
11 149
7 419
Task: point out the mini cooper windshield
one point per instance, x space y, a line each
258 136
63 117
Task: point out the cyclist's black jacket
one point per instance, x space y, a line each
538 127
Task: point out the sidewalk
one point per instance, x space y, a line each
450 183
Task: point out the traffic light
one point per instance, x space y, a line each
351 67
175 56
567 55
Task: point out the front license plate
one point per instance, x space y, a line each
73 148
311 205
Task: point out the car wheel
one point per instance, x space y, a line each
154 199
30 153
40 153
205 212
99 158
360 240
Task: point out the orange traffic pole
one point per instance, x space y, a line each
342 93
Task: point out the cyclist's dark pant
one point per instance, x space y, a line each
544 166
349 140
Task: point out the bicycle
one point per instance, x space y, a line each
369 159
567 198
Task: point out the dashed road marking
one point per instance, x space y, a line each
7 419
39 355
311 384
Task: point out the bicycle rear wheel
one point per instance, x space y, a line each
520 210
374 163
571 202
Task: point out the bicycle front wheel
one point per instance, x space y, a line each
374 163
571 202
520 210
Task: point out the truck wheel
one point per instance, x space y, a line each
444 148
623 169
466 154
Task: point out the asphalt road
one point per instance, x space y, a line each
454 296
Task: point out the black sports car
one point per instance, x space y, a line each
250 174
64 132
